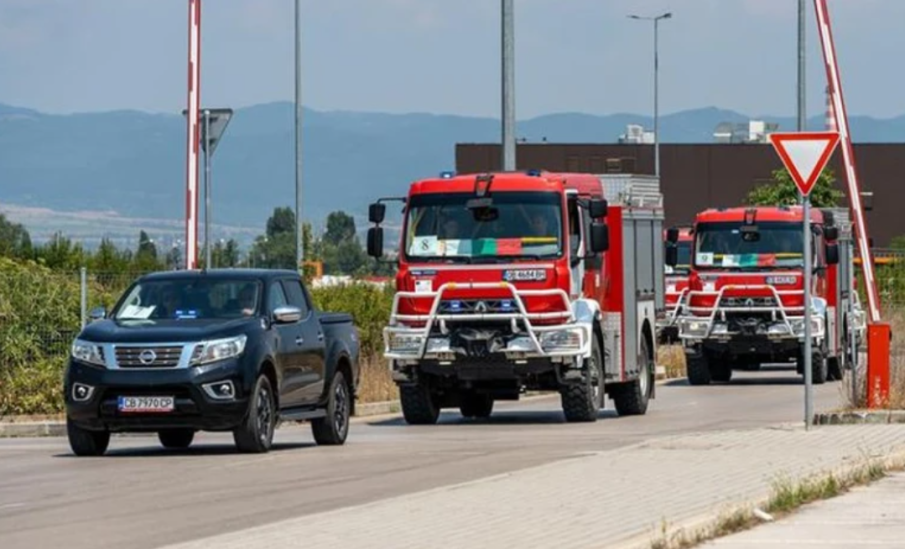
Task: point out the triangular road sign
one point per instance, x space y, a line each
805 154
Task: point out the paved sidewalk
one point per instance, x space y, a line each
605 499
871 516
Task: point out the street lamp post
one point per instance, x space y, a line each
656 21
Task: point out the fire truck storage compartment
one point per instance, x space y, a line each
640 229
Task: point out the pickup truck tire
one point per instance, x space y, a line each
176 438
86 443
333 428
255 434
631 399
698 369
476 405
581 402
419 405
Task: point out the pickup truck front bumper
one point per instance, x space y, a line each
200 402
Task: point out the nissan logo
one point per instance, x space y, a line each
147 356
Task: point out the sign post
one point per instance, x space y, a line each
804 154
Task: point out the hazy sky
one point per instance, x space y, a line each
442 56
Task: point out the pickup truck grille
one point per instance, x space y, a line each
148 356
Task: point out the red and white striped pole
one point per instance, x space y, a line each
840 117
193 137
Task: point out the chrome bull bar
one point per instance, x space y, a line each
535 348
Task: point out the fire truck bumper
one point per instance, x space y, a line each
694 330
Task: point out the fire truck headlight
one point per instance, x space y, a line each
694 328
720 328
780 328
818 305
405 343
561 340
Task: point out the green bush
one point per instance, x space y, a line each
369 306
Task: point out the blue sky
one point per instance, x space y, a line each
442 56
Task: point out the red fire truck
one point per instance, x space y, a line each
520 281
676 282
745 304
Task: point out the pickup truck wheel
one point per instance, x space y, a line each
334 427
631 399
176 438
419 405
86 443
255 434
697 369
582 401
476 405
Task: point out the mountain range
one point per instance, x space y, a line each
112 173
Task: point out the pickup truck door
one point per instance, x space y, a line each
288 350
312 348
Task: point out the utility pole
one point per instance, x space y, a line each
802 116
207 189
299 251
508 63
656 21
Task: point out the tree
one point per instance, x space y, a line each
146 255
276 249
225 256
61 254
783 192
14 239
340 228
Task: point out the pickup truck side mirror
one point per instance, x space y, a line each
376 212
672 256
600 237
832 254
97 313
287 314
375 242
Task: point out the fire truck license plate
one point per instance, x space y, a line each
524 274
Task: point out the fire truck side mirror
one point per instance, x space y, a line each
832 254
672 256
672 235
831 233
600 237
598 208
376 212
375 242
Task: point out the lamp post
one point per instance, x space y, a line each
508 85
656 20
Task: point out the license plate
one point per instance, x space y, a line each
155 404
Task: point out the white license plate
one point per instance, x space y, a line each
157 404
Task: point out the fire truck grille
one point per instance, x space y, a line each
477 306
764 301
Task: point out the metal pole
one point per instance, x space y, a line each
207 189
299 250
656 99
802 116
83 286
508 62
192 134
808 359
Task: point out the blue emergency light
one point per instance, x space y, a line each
447 175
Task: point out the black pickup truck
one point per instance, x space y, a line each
218 350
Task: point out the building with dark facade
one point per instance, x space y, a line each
698 176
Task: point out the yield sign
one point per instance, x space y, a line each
805 154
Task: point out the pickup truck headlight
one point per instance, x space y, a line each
218 349
89 352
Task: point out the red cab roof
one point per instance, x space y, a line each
789 214
512 181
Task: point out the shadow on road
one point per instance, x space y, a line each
199 450
773 374
503 417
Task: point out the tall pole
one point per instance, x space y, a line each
207 189
808 358
656 99
299 251
192 137
802 116
508 86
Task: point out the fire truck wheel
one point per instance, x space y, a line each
419 405
631 399
582 401
721 371
819 367
697 368
834 369
475 405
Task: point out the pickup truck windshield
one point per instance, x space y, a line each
516 224
190 298
726 245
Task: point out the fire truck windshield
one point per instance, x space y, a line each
441 226
728 245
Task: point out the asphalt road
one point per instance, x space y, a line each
141 496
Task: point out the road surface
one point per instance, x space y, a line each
141 496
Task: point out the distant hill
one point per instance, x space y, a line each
132 163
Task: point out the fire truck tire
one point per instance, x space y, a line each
834 369
582 401
631 399
721 371
698 369
819 368
419 406
475 405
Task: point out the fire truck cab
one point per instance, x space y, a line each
745 303
516 281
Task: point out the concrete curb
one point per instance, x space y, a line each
33 429
856 417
